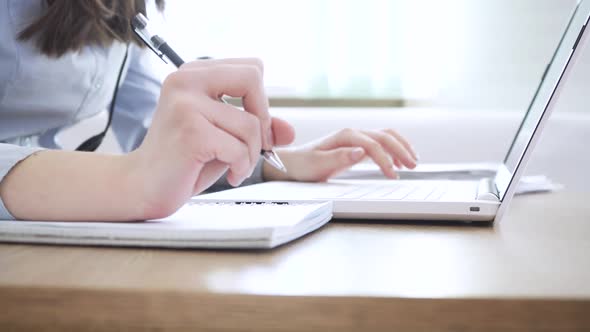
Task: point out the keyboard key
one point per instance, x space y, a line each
437 194
400 193
420 193
357 192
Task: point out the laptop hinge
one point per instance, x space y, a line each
487 190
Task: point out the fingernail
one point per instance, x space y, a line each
415 153
394 175
357 153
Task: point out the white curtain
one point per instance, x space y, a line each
323 48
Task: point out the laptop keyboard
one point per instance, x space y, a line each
395 192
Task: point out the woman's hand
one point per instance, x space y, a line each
195 138
322 159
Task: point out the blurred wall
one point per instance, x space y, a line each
499 50
483 54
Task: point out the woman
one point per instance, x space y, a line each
60 62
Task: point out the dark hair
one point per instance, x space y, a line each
69 25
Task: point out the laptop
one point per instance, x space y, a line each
484 200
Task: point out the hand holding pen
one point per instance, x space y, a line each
194 138
257 107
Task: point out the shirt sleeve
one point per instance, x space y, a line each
136 99
10 155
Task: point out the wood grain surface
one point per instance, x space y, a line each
529 273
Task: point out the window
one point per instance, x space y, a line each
436 52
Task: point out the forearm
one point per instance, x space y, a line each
73 186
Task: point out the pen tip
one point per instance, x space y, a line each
274 160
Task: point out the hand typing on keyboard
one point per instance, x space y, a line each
328 156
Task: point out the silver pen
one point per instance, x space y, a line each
161 48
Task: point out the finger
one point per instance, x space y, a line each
283 132
395 148
354 138
231 151
243 81
402 140
335 161
341 158
210 173
242 125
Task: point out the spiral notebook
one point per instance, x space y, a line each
196 225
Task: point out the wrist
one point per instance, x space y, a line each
269 173
141 184
137 184
127 183
156 187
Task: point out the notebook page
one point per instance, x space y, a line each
205 216
231 216
195 225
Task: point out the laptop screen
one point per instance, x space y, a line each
545 92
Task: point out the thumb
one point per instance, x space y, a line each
283 132
340 159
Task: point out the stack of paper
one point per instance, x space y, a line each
195 225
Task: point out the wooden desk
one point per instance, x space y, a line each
532 272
